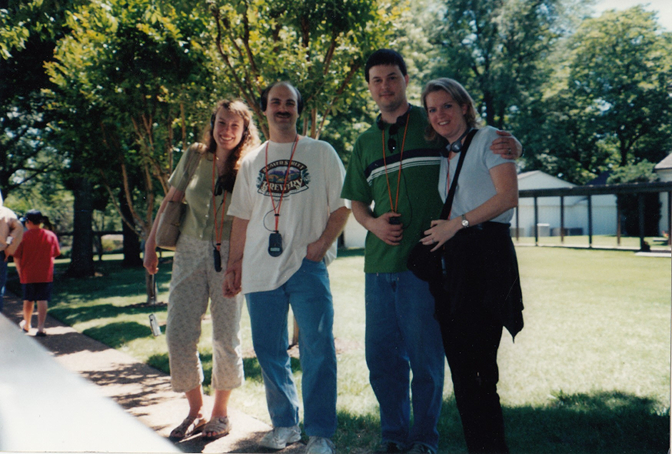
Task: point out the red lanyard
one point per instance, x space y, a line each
276 210
218 231
401 160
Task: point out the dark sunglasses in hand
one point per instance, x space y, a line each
391 142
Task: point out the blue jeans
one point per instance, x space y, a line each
403 336
3 279
309 294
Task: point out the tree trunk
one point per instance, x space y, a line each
489 102
131 246
81 263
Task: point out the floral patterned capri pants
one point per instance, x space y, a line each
193 283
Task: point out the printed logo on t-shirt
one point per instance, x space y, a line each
297 180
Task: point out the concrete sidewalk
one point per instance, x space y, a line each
141 390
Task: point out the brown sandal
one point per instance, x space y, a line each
190 426
218 427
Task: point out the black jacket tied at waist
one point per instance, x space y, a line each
482 275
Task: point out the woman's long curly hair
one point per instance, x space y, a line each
249 141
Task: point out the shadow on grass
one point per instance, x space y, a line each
252 370
117 334
160 362
598 423
73 315
111 280
601 422
251 367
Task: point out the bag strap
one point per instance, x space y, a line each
194 159
445 212
191 166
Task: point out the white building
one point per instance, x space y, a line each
354 235
576 209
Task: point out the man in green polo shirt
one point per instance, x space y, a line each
392 181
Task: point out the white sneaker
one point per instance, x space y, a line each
320 445
280 437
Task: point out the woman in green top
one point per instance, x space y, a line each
204 178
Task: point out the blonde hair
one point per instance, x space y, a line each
459 95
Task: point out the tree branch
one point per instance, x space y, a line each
114 201
353 71
127 192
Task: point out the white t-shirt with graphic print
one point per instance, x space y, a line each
311 193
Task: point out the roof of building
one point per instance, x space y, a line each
537 179
665 163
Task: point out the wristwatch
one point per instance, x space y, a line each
9 240
465 222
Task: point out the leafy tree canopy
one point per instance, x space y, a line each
320 46
608 102
28 34
496 49
620 69
129 76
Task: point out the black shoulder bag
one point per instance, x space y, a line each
424 263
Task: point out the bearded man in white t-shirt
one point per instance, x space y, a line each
288 212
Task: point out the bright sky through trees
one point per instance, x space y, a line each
663 8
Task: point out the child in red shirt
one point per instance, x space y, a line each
35 263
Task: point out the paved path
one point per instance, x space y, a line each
141 390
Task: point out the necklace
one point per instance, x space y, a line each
395 206
275 238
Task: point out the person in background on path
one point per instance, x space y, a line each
393 166
11 232
481 292
287 215
34 260
198 277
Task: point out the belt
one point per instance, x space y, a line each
483 227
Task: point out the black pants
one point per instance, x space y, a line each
468 309
471 349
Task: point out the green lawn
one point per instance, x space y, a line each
590 373
598 241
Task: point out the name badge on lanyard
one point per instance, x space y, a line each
275 238
275 244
